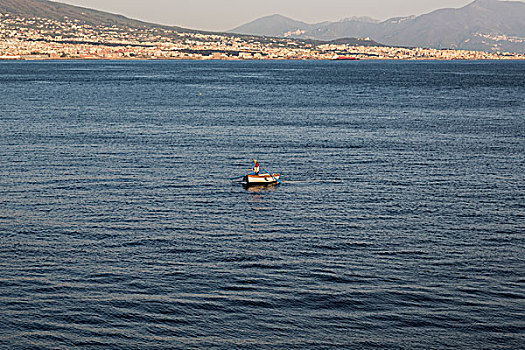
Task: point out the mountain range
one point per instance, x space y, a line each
58 11
485 25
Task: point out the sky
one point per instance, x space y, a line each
222 15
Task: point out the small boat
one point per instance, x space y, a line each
261 179
345 58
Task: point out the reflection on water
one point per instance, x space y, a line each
260 188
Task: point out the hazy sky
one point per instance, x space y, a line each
222 15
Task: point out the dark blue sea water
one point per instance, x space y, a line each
400 222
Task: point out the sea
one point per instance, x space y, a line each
399 223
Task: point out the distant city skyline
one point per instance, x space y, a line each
217 15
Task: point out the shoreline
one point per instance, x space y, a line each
40 59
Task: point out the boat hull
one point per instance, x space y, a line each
345 58
261 179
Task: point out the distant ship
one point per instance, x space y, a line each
345 58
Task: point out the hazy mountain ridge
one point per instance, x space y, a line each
487 25
58 11
276 25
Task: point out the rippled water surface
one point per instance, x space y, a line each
400 223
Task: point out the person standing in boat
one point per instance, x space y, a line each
256 167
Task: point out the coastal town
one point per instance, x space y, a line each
37 38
